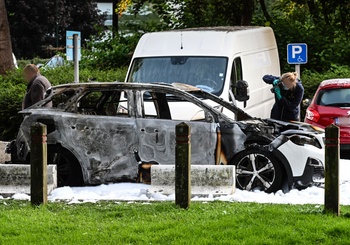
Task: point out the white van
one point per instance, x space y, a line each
215 59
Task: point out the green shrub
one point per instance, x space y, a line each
11 94
36 61
311 80
111 53
13 90
65 74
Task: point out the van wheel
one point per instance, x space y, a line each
257 169
68 168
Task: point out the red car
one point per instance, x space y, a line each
331 104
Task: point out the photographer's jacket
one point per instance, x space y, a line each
287 108
35 91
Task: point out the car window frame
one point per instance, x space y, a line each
73 108
189 99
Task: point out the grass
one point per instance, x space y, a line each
163 223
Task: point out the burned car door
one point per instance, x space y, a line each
156 130
102 134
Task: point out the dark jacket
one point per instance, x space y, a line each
287 108
36 91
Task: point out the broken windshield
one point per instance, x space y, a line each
206 73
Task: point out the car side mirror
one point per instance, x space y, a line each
306 103
241 91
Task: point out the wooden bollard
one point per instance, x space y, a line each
183 165
38 164
331 191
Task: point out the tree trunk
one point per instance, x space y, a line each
115 16
265 12
247 12
315 15
6 61
325 12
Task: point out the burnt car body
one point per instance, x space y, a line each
101 132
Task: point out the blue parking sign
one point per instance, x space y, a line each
297 53
69 44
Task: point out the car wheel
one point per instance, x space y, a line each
68 168
257 169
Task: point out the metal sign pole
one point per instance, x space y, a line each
297 70
76 57
297 55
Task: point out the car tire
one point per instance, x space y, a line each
68 168
257 169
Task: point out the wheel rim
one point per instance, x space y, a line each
63 169
255 172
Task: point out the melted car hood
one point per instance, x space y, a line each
293 125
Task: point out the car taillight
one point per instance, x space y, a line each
312 115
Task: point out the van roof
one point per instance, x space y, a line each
217 28
222 41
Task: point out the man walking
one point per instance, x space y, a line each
36 88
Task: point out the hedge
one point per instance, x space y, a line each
13 89
311 80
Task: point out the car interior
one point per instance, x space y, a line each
104 103
116 103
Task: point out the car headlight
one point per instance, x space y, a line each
303 139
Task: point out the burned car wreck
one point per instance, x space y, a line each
101 132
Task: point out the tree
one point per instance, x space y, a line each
198 13
323 25
247 12
33 23
6 62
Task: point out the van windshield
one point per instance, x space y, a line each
206 73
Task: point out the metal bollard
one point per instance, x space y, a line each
183 165
38 164
331 191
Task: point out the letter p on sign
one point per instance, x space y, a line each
297 53
296 50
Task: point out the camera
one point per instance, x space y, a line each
274 86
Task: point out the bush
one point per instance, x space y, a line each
11 95
65 74
36 61
311 80
111 53
13 90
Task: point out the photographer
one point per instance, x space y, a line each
289 93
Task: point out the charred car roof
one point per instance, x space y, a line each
184 89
